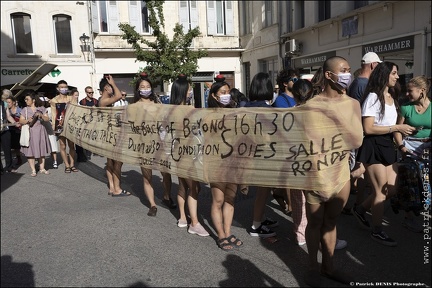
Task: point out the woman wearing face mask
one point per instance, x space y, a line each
179 92
58 111
380 111
222 208
144 94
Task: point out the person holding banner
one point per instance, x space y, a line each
58 112
261 95
144 94
179 92
111 94
223 194
324 207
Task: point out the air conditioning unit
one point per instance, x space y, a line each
292 46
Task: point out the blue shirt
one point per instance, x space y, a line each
284 101
357 88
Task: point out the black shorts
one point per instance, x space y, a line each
377 149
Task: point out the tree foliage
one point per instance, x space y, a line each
165 58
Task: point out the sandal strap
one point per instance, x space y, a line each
224 245
237 242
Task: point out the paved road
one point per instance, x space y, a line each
64 230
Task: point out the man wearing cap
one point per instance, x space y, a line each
369 61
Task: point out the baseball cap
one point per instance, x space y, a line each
370 57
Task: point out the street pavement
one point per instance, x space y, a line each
63 230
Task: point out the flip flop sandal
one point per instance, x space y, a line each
121 194
234 241
74 169
33 174
225 245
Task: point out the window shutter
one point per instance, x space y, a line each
94 17
211 17
135 15
193 14
184 16
229 18
113 17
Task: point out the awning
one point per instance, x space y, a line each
32 81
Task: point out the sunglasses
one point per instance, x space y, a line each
90 92
293 79
123 94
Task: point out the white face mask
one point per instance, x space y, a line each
344 80
145 92
63 91
225 99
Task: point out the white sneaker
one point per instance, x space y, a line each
340 244
181 223
198 229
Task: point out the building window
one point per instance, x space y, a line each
220 18
246 21
21 30
139 16
188 14
107 14
63 35
269 17
324 10
296 11
359 4
269 66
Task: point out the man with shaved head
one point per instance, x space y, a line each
324 207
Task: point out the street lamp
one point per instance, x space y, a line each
85 46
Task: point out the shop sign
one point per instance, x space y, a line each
314 60
394 45
14 72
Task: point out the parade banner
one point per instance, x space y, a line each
305 147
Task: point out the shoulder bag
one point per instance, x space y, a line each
25 133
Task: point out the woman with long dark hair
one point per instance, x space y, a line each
223 194
179 92
144 93
380 111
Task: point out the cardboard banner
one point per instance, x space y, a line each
305 147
